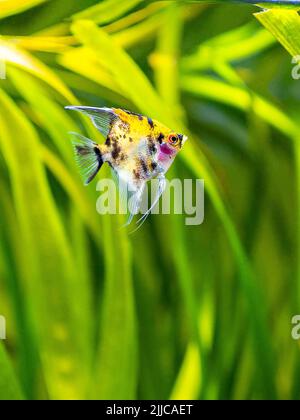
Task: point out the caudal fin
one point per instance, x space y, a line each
88 157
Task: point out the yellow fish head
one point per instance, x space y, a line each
176 140
170 142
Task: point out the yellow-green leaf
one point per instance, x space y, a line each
9 387
12 7
49 277
52 44
22 59
107 10
285 26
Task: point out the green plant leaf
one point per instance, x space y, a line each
235 45
19 58
106 11
117 348
240 98
167 81
9 387
268 4
12 7
52 44
83 62
285 26
47 271
188 383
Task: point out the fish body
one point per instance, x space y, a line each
136 147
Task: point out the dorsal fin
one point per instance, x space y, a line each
102 118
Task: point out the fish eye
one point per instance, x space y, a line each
173 138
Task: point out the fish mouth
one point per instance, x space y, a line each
167 149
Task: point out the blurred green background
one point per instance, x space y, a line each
172 311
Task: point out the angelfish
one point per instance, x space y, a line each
136 147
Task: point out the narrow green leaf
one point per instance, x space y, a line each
240 98
52 44
106 11
12 7
46 268
285 26
189 381
276 4
9 387
237 44
82 61
19 58
167 79
118 348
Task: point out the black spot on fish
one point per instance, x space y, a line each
115 153
108 141
123 156
124 136
82 150
130 139
144 166
140 117
150 122
153 165
152 149
116 150
160 138
151 145
99 156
